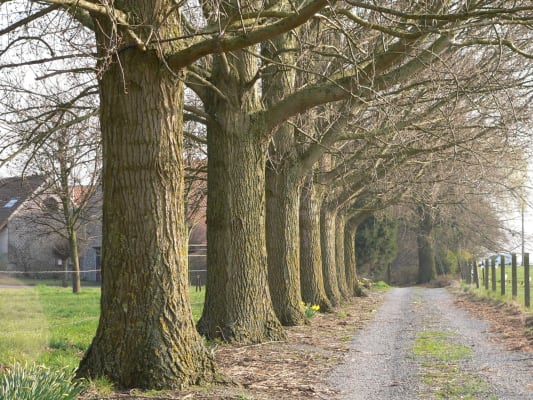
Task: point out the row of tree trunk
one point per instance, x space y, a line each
277 235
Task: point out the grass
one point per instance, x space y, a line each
197 302
380 285
24 334
52 326
438 346
520 298
13 281
72 323
440 358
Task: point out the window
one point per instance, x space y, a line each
51 204
11 203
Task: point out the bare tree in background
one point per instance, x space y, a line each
71 160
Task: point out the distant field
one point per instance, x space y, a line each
520 299
50 324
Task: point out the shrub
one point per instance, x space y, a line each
36 382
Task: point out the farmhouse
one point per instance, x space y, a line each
32 239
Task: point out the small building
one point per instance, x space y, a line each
31 240
15 248
31 243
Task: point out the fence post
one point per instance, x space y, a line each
526 280
476 275
493 272
514 277
502 275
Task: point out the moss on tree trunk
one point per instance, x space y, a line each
312 279
340 263
238 306
327 241
146 336
283 241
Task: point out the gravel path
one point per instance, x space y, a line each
382 365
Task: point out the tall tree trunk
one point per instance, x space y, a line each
74 256
283 245
426 254
426 259
312 279
282 187
340 224
350 256
327 244
146 336
238 306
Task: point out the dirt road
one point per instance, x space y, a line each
421 346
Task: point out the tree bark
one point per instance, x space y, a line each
327 244
282 188
426 259
426 254
312 279
146 336
340 225
283 245
74 256
350 257
238 306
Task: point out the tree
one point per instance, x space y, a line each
312 279
363 80
238 305
144 52
450 201
424 239
141 56
376 245
71 161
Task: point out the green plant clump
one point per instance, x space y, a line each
381 285
437 345
443 370
36 382
310 310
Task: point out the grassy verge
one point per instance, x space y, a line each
440 357
496 296
520 297
52 326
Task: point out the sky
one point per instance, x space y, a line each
515 220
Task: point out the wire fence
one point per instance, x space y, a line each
493 276
196 257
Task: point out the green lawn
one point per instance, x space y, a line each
51 325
